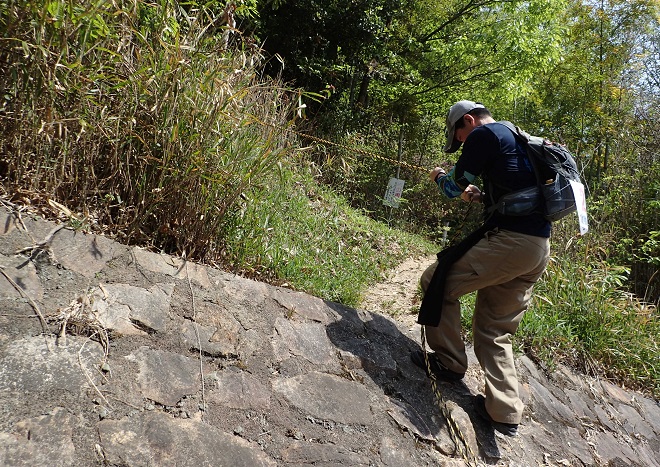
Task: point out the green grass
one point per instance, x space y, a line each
581 317
304 235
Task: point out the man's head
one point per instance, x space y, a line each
463 115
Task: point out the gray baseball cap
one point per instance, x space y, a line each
456 112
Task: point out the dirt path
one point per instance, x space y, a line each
398 295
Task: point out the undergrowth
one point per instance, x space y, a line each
581 317
134 119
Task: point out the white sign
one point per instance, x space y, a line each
393 193
581 204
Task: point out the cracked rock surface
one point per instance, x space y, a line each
112 355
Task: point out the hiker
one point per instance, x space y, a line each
501 261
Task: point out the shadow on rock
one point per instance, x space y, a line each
374 346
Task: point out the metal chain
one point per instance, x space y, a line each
457 436
461 443
359 151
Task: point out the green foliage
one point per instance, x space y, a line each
581 316
649 250
391 71
318 40
417 49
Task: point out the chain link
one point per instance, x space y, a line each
457 436
360 151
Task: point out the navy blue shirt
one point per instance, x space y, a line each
492 152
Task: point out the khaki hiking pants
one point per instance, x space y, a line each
503 267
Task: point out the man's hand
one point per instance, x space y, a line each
471 194
438 171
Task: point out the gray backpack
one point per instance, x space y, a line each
554 168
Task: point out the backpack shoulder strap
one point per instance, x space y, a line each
532 145
520 134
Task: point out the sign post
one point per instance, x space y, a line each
393 192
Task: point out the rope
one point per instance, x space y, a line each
457 436
461 443
343 146
352 149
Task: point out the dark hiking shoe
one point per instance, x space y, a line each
441 372
508 429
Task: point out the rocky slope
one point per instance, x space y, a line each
112 355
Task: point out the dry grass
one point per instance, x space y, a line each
133 118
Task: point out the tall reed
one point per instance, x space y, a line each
134 115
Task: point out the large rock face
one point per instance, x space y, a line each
111 355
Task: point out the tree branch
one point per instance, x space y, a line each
470 6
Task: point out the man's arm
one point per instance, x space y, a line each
451 188
478 148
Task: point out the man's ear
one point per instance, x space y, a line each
469 120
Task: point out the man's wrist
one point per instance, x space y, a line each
441 173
